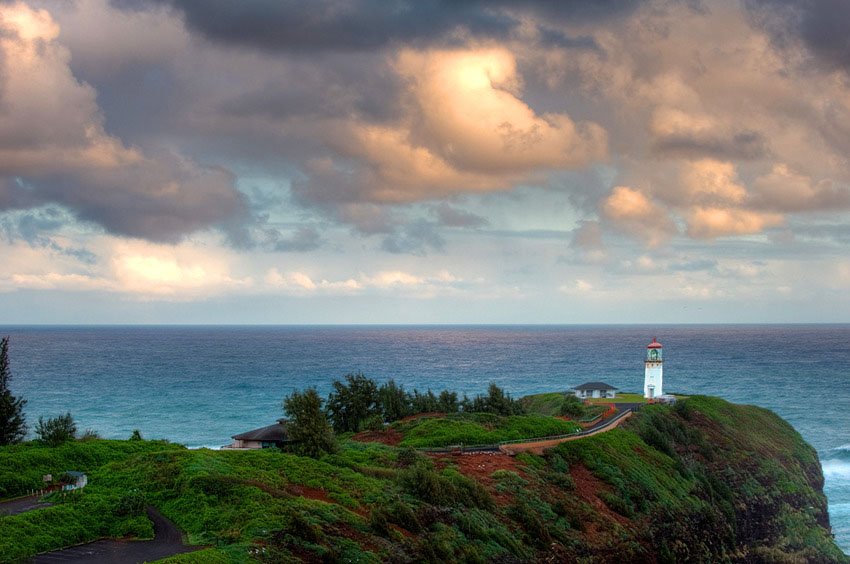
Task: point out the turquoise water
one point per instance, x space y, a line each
200 385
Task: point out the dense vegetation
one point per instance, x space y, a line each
479 429
704 481
358 403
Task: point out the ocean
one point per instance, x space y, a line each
200 385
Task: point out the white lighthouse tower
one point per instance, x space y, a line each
652 380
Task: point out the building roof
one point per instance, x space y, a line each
654 344
75 474
595 386
271 433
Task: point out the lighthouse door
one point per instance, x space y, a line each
651 392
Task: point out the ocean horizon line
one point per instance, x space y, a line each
428 324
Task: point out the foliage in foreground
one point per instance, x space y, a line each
704 481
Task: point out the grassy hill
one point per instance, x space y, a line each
704 481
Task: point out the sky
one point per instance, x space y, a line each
424 161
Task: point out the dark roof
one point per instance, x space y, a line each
75 474
595 386
272 433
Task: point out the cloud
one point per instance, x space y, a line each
629 210
819 24
302 240
587 241
170 272
416 238
54 148
453 217
465 129
783 189
469 111
383 282
135 37
708 222
325 25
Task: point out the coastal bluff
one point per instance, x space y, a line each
702 480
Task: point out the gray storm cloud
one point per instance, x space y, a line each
54 148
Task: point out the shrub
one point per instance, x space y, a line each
131 503
56 430
90 435
572 407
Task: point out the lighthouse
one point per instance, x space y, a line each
652 379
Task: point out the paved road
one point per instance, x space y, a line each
167 542
21 505
537 447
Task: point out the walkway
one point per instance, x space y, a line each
537 447
167 541
21 505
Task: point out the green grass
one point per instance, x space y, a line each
543 404
621 398
479 429
704 479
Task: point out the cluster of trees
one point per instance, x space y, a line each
358 403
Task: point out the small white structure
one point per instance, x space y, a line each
73 480
653 376
595 390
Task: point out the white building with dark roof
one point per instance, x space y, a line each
595 390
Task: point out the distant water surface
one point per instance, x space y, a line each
200 385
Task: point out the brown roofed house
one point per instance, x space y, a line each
264 437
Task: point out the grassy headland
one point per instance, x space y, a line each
702 481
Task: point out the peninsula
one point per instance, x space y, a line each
702 480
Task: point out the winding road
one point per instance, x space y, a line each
167 541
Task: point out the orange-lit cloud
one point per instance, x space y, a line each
708 223
629 210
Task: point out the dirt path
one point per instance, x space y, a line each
537 447
167 541
21 505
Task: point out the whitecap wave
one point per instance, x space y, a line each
836 469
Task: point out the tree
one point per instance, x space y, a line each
352 403
308 424
447 402
394 401
56 430
496 401
13 426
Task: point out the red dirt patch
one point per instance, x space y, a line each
587 486
387 436
310 493
480 466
